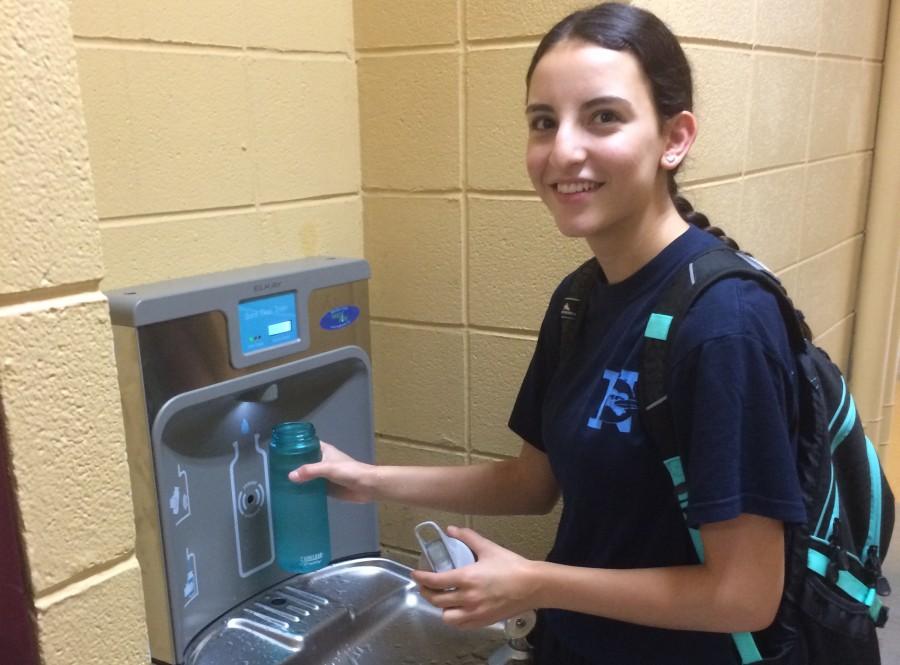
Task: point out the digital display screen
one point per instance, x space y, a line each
267 321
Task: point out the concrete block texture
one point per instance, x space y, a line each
854 28
304 119
517 257
790 279
47 214
64 422
397 521
795 24
215 22
167 131
491 19
836 341
721 98
405 23
320 228
299 25
409 121
497 364
837 192
845 107
420 379
780 113
731 20
770 214
288 25
496 128
827 285
193 245
721 203
414 246
97 621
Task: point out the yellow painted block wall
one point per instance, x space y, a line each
62 420
143 141
464 256
222 134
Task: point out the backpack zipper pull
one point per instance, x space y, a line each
873 563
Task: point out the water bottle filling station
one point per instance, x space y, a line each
207 367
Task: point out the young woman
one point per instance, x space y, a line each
609 104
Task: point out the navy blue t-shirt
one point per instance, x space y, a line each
733 396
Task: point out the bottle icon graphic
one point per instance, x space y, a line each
249 474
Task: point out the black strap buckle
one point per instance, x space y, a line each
882 617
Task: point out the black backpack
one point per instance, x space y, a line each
834 581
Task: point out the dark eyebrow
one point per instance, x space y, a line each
607 100
535 108
596 101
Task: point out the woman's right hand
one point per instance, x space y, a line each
348 479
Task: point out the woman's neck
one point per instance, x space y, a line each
627 247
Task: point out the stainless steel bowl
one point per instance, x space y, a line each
360 612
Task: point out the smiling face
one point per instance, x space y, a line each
596 151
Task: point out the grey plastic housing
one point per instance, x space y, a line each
199 414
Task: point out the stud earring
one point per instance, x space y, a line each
670 159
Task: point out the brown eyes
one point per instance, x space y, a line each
605 117
541 123
544 123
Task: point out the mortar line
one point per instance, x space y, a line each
414 49
150 45
83 579
501 43
183 215
812 257
415 444
410 192
835 325
172 216
810 116
50 297
408 324
464 231
250 119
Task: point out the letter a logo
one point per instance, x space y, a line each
619 403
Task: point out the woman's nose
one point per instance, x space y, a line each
568 147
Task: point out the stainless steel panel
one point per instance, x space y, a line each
184 354
364 612
148 535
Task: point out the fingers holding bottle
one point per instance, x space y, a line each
348 478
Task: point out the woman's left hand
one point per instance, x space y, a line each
499 585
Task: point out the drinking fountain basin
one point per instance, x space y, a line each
359 612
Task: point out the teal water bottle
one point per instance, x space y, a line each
299 512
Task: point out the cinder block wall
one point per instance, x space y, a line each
464 256
164 139
222 134
60 398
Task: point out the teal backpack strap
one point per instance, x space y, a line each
662 324
744 642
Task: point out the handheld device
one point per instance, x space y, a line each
441 552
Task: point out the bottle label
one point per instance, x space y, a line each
312 559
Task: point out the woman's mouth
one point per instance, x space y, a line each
576 187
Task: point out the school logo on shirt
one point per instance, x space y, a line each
619 403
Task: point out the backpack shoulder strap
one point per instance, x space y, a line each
574 304
662 326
